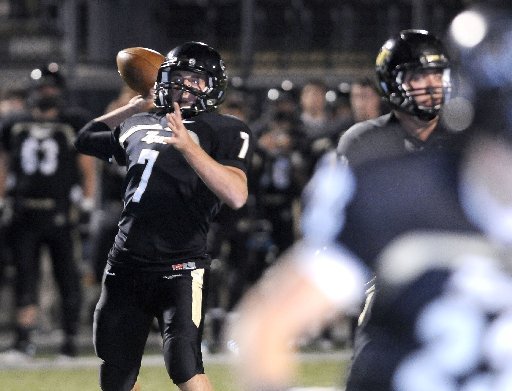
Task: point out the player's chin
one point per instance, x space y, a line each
428 102
187 102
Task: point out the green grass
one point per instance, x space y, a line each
154 378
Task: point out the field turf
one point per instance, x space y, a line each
322 371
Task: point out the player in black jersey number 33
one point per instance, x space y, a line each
183 162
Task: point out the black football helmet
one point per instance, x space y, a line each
192 57
411 50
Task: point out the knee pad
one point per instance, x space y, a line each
183 359
113 378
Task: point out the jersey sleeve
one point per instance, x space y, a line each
6 125
350 144
235 145
97 139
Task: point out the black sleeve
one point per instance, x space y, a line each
6 125
97 139
237 146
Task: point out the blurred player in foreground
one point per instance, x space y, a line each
184 161
439 241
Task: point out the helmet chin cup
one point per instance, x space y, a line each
395 99
426 115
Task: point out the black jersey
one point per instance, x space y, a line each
397 195
385 136
167 207
366 207
43 160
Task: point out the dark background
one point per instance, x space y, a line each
262 41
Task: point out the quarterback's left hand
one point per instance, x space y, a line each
180 138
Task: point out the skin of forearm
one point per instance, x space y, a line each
137 104
228 183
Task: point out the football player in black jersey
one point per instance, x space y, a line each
44 173
414 75
436 229
183 161
413 72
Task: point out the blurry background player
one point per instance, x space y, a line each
413 70
49 185
49 82
318 126
365 100
183 162
414 74
11 101
438 232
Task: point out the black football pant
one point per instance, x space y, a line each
30 232
129 301
376 356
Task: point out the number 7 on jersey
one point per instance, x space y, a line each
148 157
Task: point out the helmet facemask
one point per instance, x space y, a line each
424 102
172 87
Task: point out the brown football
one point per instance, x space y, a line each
138 67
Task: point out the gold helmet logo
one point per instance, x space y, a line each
382 56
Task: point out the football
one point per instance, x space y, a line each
138 68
